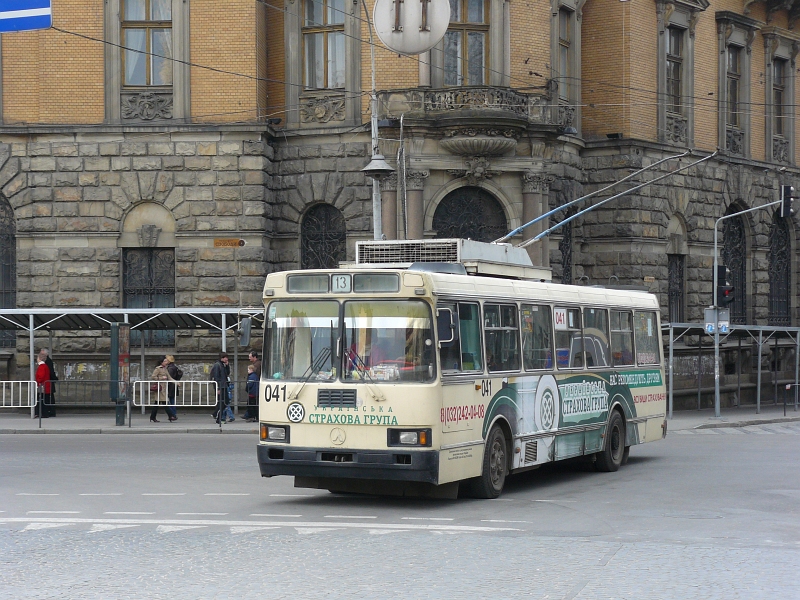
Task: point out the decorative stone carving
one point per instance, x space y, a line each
734 141
322 109
677 127
477 170
566 115
780 149
146 106
148 236
389 183
536 183
478 145
415 180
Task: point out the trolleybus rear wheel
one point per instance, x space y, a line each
495 466
610 458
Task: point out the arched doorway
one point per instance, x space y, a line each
470 212
780 255
8 267
734 255
323 238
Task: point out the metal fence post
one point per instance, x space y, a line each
796 365
671 367
699 367
758 385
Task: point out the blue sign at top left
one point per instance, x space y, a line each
25 15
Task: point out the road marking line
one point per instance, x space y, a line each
249 529
226 523
268 515
115 494
291 495
127 513
98 527
54 512
426 518
33 526
29 494
348 517
202 514
501 521
222 494
385 531
556 501
312 530
166 494
172 528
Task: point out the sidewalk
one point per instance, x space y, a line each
200 421
73 421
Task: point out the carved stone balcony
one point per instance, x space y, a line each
477 104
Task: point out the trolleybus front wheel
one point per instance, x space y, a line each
611 456
495 467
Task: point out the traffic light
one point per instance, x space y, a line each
787 195
724 288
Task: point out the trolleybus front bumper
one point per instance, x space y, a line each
397 464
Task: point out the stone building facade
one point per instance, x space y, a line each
140 136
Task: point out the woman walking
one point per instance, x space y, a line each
159 390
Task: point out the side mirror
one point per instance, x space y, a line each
445 328
244 331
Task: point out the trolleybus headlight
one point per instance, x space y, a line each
413 437
409 437
273 433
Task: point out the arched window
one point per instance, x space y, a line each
323 238
734 256
8 267
779 271
470 213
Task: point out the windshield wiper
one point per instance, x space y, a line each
316 365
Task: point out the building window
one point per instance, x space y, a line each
778 96
323 44
8 267
470 213
323 238
466 43
565 74
675 70
148 281
675 287
147 42
734 73
734 256
779 272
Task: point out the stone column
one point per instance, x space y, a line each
415 182
535 187
389 206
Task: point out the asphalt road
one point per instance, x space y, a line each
706 514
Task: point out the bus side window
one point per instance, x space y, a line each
469 320
537 337
450 352
595 337
569 341
622 338
648 338
501 332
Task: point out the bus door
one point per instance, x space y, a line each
461 360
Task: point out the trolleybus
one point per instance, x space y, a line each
440 367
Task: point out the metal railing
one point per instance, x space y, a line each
17 394
187 393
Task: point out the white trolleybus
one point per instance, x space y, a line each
429 365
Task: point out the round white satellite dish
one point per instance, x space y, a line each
417 28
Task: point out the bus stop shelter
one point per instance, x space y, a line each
734 340
223 319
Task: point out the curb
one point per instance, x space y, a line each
746 423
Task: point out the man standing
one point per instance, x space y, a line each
172 388
256 362
220 373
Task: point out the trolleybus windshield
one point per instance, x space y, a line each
302 340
